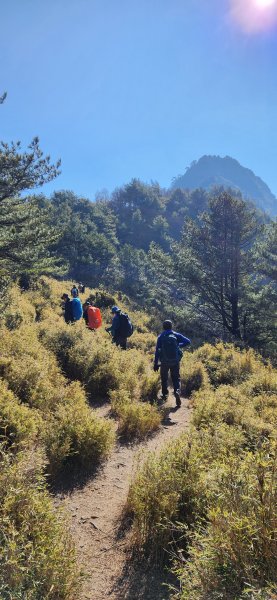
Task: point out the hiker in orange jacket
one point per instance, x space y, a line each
92 316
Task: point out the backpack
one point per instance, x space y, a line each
126 328
94 317
170 352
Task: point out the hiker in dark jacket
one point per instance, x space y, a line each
68 316
114 330
168 352
74 291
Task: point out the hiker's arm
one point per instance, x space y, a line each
157 352
115 325
182 340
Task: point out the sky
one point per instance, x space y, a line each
140 88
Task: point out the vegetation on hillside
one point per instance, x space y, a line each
207 261
199 258
209 499
51 376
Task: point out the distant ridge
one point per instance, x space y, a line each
209 171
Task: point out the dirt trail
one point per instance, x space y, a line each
96 509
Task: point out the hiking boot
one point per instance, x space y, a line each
178 398
164 397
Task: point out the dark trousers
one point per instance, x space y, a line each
120 341
175 376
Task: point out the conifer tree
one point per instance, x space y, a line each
25 234
214 262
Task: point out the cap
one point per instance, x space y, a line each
115 309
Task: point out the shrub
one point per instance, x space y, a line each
231 406
37 559
74 432
193 376
226 364
20 309
145 342
169 487
135 420
149 386
67 425
238 551
263 381
18 424
99 365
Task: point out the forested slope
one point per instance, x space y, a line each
208 261
210 171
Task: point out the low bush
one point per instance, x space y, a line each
37 558
232 406
226 364
135 419
236 555
75 433
19 424
193 375
67 426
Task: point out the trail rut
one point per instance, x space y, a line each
95 511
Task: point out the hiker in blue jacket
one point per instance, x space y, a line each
76 306
168 352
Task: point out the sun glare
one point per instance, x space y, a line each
264 3
254 16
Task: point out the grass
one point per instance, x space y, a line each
37 557
209 500
51 375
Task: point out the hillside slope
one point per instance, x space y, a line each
74 411
211 171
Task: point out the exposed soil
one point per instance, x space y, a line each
96 511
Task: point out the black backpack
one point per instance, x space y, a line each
125 329
170 352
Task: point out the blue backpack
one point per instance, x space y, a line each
170 352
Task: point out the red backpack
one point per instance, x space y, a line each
94 317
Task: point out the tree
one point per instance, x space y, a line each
25 235
214 262
265 253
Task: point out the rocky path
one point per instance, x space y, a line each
96 510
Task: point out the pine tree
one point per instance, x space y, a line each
214 262
25 233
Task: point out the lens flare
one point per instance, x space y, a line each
254 16
264 3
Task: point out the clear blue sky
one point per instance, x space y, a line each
137 88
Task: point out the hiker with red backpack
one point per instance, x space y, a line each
121 328
169 353
92 316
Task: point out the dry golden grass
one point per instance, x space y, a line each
210 498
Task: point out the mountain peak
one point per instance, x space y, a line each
227 172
